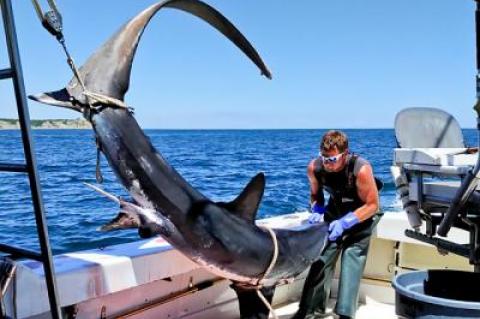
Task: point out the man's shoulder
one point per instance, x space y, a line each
314 165
314 162
359 158
359 163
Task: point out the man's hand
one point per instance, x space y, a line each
315 218
337 227
317 213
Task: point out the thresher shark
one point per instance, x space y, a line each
221 236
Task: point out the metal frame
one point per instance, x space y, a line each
468 220
30 167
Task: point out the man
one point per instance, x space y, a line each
351 213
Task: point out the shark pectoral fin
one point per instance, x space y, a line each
157 226
148 230
246 204
123 220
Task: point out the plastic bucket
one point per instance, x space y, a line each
437 294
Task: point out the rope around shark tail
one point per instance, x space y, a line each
269 269
266 303
252 299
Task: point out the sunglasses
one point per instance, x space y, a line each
330 159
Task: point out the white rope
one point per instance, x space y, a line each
104 99
269 269
275 253
267 304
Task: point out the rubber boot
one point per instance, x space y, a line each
353 259
316 290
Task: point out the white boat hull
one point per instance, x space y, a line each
150 279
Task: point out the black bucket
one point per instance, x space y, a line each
437 294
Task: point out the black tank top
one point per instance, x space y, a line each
341 186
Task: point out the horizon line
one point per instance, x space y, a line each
228 129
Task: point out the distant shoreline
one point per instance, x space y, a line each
82 124
48 124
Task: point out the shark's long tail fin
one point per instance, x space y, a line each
107 71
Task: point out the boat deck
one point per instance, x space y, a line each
370 309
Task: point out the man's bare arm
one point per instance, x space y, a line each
316 189
368 193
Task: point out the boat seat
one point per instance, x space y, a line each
431 151
431 140
431 145
442 191
422 127
435 156
435 161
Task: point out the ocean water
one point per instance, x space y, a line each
217 162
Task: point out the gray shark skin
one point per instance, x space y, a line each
221 236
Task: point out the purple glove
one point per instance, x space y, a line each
317 213
319 209
337 227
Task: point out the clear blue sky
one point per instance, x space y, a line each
335 64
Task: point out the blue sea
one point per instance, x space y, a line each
217 162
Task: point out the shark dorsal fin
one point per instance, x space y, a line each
246 204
